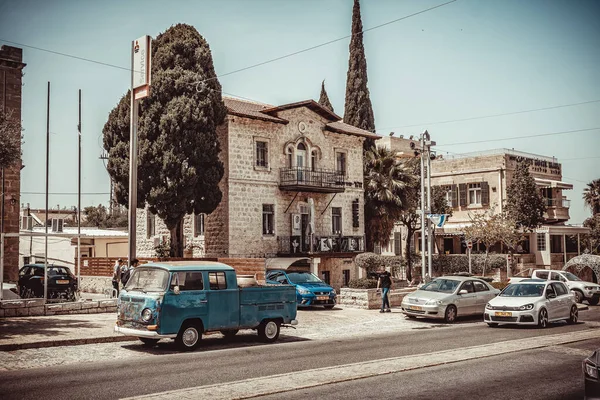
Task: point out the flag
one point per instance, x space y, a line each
438 219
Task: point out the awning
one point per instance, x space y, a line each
549 183
456 228
282 262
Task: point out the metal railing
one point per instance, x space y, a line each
321 244
321 178
557 203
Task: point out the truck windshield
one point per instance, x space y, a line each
571 277
303 277
522 290
148 280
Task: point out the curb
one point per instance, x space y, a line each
66 342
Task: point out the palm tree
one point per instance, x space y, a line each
386 181
591 196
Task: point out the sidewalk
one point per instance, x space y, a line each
76 329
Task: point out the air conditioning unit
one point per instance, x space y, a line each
57 224
27 222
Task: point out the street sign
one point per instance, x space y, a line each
469 244
141 64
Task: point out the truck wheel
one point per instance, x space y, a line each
189 336
450 314
229 333
268 331
578 296
594 300
148 342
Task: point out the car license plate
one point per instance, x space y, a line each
322 297
62 281
503 314
416 308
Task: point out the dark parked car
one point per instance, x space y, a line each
591 370
61 282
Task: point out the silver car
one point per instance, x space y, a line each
449 297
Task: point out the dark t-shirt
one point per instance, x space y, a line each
385 280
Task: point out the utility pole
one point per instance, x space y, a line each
430 239
47 187
79 200
423 206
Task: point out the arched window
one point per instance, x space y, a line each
289 153
313 160
300 155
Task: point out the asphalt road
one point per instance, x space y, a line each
217 362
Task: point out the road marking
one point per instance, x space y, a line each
280 383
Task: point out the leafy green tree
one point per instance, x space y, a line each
95 216
408 216
592 239
591 196
358 110
386 180
324 99
10 140
524 204
179 169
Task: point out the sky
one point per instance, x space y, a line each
465 60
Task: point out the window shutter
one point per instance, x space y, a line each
454 196
463 194
485 194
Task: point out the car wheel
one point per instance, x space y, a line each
268 331
189 336
450 314
543 318
594 300
229 333
578 296
492 324
329 307
148 342
573 315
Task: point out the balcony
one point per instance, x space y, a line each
307 180
296 245
557 209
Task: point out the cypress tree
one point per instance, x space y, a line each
324 99
524 203
358 110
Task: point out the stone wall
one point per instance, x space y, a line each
370 298
36 307
11 67
336 267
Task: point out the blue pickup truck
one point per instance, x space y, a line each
310 290
184 300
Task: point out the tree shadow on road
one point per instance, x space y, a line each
49 327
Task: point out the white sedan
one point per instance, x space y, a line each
532 302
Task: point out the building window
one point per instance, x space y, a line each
150 224
268 219
336 220
289 152
26 260
541 242
326 277
199 224
262 154
313 160
475 194
556 244
448 194
340 163
346 273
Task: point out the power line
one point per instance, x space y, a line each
521 137
250 66
493 115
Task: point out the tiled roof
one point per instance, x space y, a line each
249 109
311 105
342 127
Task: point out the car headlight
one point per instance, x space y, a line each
433 302
526 307
590 288
489 306
333 293
590 370
303 291
146 314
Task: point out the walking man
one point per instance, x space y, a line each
116 279
385 283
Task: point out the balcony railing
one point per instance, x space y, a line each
558 203
297 245
320 180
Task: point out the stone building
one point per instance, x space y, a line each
292 192
11 66
477 182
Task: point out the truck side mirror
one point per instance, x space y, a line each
176 290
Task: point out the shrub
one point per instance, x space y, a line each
368 261
451 264
362 283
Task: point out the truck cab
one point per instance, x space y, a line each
582 290
184 300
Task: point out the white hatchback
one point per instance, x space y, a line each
532 302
